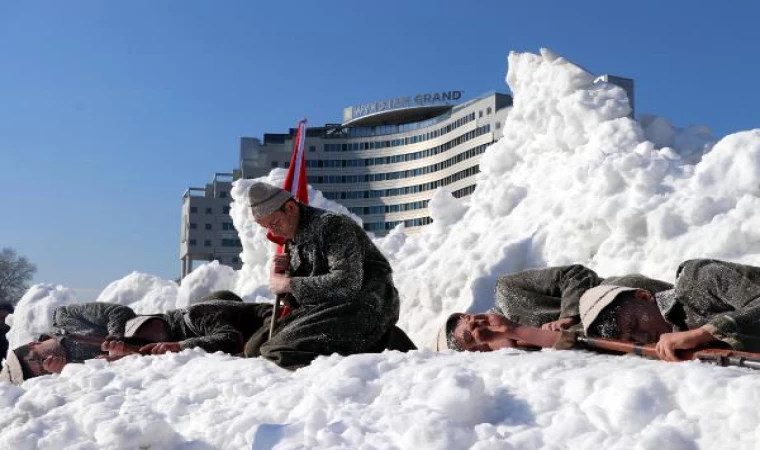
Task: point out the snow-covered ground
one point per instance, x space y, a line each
572 180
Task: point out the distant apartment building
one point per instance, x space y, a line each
383 162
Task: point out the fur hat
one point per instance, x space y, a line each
266 199
594 300
134 324
12 371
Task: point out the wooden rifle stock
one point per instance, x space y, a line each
719 356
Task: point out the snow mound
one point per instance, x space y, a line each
142 292
501 400
34 312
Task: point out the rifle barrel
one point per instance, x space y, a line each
618 346
719 356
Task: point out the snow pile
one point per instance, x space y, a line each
502 400
142 292
204 280
34 312
573 180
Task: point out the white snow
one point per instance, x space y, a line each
573 180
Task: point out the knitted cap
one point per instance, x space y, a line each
134 324
12 371
443 339
594 300
266 199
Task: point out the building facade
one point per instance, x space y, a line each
385 161
207 231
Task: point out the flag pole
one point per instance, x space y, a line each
296 184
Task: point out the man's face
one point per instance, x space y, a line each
477 332
283 222
639 319
38 351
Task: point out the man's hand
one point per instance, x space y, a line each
159 348
281 263
54 364
279 283
116 348
561 324
684 340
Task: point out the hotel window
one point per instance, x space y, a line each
488 110
193 242
193 209
274 163
207 243
209 211
312 148
208 226
480 113
222 194
226 210
193 226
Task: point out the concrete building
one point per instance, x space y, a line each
383 162
207 231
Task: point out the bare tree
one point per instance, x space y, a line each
15 272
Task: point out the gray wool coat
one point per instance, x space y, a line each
95 319
343 292
535 297
722 296
217 325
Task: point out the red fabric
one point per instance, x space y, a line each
284 311
295 180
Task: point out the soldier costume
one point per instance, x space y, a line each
343 297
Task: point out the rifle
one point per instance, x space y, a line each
718 356
98 341
531 338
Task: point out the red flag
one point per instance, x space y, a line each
295 180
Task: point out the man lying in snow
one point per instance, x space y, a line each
713 302
340 286
52 351
86 331
549 298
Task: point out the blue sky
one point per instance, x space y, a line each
109 110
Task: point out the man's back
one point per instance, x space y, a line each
217 325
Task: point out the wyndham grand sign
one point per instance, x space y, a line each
433 98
